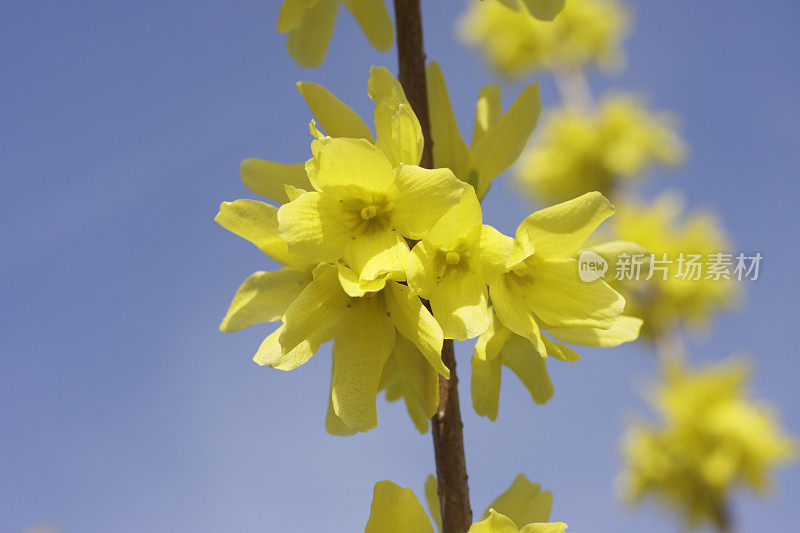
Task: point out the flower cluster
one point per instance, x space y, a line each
661 227
579 151
369 240
711 439
523 508
514 43
540 9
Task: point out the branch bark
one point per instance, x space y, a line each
446 426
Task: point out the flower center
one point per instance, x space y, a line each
452 258
369 212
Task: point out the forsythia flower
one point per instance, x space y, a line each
581 151
309 24
540 290
673 294
289 292
712 439
514 43
541 9
523 508
497 139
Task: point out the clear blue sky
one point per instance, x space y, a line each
123 408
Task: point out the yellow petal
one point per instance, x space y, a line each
374 19
263 297
308 42
494 252
488 111
346 168
432 499
335 425
258 223
397 510
512 311
271 352
449 149
492 340
561 299
460 304
380 254
292 192
559 351
485 387
397 129
408 375
421 197
313 228
416 324
560 230
269 179
356 287
544 9
420 269
335 117
313 316
363 341
494 523
520 356
626 329
291 13
612 250
524 502
500 147
457 222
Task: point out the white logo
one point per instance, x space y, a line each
591 266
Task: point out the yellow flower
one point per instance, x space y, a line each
362 209
497 140
711 439
453 264
581 151
387 327
541 9
540 289
515 44
665 231
288 294
309 24
398 134
523 508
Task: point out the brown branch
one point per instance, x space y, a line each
446 426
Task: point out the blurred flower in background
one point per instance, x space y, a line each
309 26
579 151
586 32
678 291
710 439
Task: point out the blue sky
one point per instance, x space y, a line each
123 408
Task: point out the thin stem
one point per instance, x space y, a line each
446 426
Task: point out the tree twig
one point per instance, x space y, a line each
446 426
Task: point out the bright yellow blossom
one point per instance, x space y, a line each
309 24
541 289
497 139
452 266
710 440
523 508
271 296
514 43
580 151
674 294
362 209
